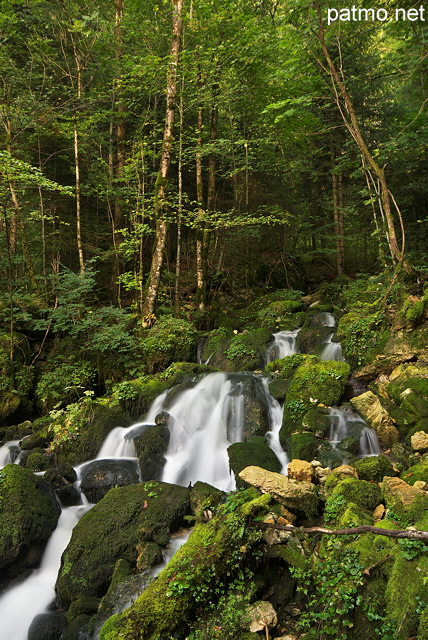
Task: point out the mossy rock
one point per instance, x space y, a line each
136 396
246 351
417 472
374 468
323 381
47 626
168 340
93 424
303 446
354 516
150 445
316 422
285 368
204 496
246 454
278 389
364 494
310 337
405 587
29 513
208 558
37 461
407 502
282 315
351 446
123 519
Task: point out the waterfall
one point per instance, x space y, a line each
346 422
275 415
22 603
9 453
283 345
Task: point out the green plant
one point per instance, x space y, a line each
410 549
331 591
334 507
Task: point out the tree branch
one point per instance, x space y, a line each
409 534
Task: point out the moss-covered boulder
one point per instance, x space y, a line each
299 497
374 468
124 519
151 442
62 483
314 382
282 315
407 502
406 588
136 396
416 472
29 513
364 494
408 391
204 496
168 340
246 350
79 433
255 453
210 557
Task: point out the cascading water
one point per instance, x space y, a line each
346 422
37 591
331 350
283 345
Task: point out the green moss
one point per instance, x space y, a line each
282 315
415 313
354 516
407 588
37 462
417 472
246 350
320 381
365 494
278 389
169 340
303 446
88 426
374 468
112 529
246 454
210 558
204 496
284 368
29 512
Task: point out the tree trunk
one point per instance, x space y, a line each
200 281
161 187
351 123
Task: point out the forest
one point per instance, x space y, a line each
214 316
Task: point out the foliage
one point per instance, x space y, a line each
169 340
361 337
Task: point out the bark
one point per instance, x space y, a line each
351 123
409 534
200 281
161 187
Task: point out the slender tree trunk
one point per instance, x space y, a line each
78 197
180 209
351 122
200 283
165 162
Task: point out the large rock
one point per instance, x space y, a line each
99 476
296 496
404 500
115 528
419 441
151 442
300 470
262 615
371 410
245 454
29 513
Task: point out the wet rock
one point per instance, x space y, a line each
112 529
47 626
296 496
99 476
245 454
204 496
29 513
67 493
150 445
374 468
371 410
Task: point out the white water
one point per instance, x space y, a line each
22 603
275 415
9 453
347 422
284 344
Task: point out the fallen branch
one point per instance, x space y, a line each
410 534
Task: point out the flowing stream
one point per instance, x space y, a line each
205 418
